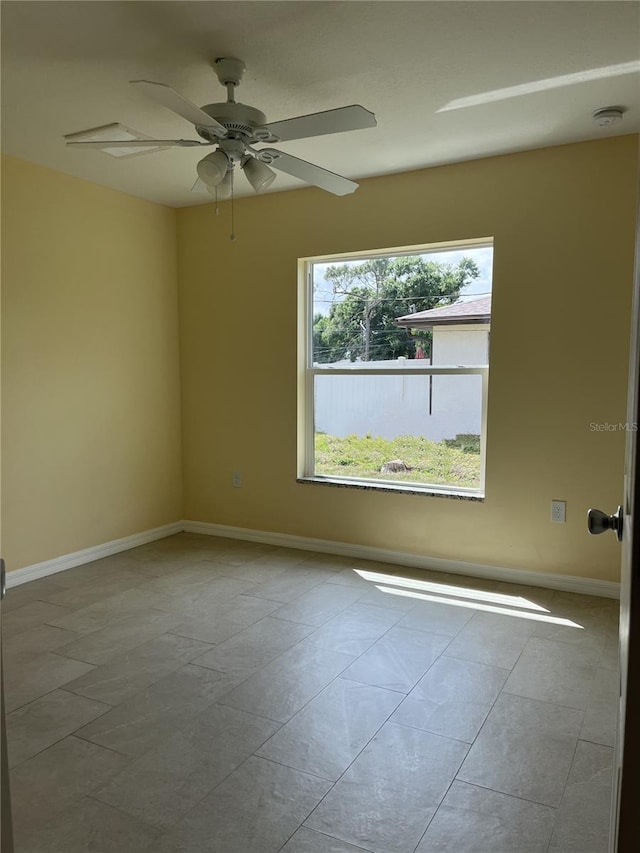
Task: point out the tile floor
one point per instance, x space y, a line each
201 694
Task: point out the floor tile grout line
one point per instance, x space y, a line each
48 693
326 835
211 790
564 787
357 657
76 692
480 663
484 722
278 723
271 760
541 701
576 646
564 642
257 670
76 734
500 693
68 734
88 698
424 674
428 731
544 701
596 743
403 725
384 723
315 695
338 613
110 624
235 634
437 809
505 794
366 684
219 701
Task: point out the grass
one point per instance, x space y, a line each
452 462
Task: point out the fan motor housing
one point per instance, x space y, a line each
239 119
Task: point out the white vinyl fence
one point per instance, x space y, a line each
435 407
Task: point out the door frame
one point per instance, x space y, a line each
626 780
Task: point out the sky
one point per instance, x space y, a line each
324 296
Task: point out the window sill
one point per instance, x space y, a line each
399 488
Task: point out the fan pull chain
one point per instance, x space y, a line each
232 236
217 209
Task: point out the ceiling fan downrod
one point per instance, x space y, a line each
229 73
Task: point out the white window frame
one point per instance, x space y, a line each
307 372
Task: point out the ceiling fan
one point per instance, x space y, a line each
234 129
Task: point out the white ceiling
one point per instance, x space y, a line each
66 67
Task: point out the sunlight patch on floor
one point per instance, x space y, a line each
446 589
475 605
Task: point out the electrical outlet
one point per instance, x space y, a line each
236 479
559 511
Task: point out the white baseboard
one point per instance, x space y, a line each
566 583
88 555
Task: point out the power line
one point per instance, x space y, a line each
399 298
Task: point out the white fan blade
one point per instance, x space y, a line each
308 172
166 96
318 124
142 143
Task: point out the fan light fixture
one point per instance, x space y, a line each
213 168
259 175
223 190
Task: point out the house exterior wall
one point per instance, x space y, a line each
461 344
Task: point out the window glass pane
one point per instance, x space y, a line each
411 429
372 309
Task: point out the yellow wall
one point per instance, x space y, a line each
91 386
563 224
90 368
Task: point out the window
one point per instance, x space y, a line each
394 367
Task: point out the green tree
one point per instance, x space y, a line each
373 294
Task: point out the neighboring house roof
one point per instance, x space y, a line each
472 311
